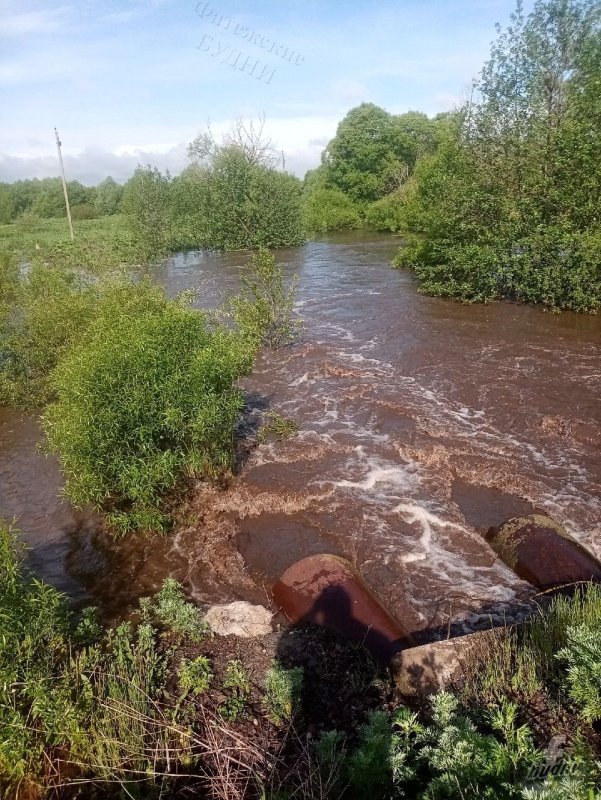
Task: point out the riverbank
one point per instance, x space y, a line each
167 704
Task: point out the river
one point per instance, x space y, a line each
423 422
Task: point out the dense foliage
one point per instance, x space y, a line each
141 388
373 151
230 198
328 210
146 206
241 201
366 166
509 204
44 198
71 693
49 306
145 397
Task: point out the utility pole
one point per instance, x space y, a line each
283 162
60 161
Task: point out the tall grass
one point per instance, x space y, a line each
523 660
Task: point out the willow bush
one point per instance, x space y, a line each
329 210
146 397
508 207
48 306
264 309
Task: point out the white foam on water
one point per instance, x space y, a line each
447 564
391 475
300 380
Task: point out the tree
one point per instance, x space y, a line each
328 210
241 200
50 201
509 205
146 205
374 152
246 137
108 196
7 206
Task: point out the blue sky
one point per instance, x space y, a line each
128 81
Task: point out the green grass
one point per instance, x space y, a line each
34 230
522 661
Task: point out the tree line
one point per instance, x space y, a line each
497 199
44 198
502 198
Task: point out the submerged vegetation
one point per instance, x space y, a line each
155 706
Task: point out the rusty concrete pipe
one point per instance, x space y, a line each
326 590
542 552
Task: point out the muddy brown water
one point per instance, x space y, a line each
422 423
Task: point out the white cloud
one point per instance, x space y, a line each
301 138
31 22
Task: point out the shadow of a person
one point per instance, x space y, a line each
334 608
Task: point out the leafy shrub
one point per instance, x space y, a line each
237 685
282 691
50 306
263 311
329 210
34 625
369 765
386 214
170 609
146 398
108 196
84 211
505 208
195 676
242 202
146 206
128 731
95 708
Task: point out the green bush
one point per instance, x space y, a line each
34 624
386 214
264 308
51 307
250 205
195 676
329 210
93 710
146 206
146 398
237 685
84 211
170 609
282 691
506 206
